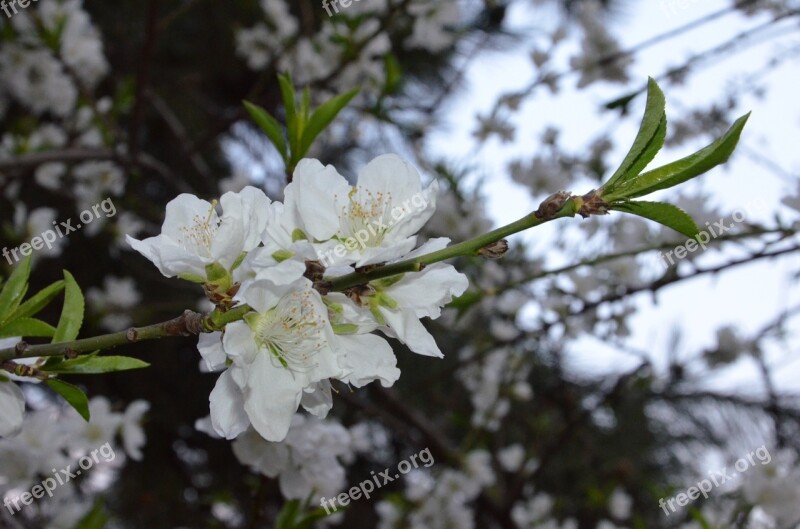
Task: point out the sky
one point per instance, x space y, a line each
747 297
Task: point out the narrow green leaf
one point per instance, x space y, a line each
305 105
288 95
307 522
14 289
666 214
39 300
97 518
322 117
684 169
287 515
394 74
73 395
92 365
27 327
270 126
648 141
69 325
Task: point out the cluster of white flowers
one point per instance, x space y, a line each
52 52
444 501
493 381
299 462
597 46
329 50
256 252
55 52
52 442
765 497
114 300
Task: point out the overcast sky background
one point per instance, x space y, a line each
748 297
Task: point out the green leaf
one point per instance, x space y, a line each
28 327
270 126
14 289
394 73
92 365
307 522
322 117
97 518
684 169
666 214
73 395
38 301
287 515
287 92
305 106
648 141
69 325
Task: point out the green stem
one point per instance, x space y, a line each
466 248
192 323
188 324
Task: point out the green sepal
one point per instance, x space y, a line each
298 235
238 261
384 300
374 308
344 328
194 278
252 319
282 255
387 282
215 272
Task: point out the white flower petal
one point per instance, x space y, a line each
12 409
238 342
228 415
318 400
250 207
271 398
411 332
309 198
210 347
368 357
133 438
426 292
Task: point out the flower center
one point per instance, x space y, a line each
199 235
291 332
367 219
